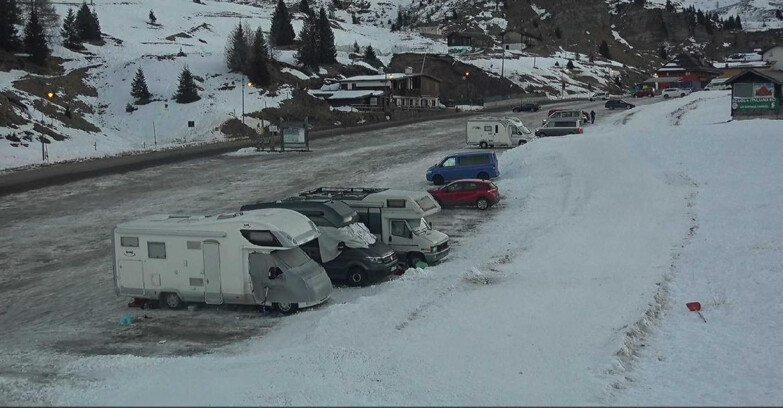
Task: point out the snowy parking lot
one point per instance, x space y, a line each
571 291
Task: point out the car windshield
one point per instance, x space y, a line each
418 226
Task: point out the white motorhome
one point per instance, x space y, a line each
239 258
396 217
492 132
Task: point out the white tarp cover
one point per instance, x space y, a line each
354 235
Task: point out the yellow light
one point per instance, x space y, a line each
467 73
250 84
50 95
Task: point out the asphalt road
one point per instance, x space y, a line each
56 285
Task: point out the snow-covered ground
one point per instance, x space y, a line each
574 291
755 14
200 31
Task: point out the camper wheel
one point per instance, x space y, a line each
414 259
287 308
483 145
171 300
357 276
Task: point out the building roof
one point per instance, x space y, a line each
470 34
688 62
773 76
354 94
741 64
385 77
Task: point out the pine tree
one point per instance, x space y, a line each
85 24
47 15
663 54
356 48
139 88
35 39
152 18
96 26
237 50
282 32
570 65
9 18
739 23
603 49
669 6
187 91
558 33
369 54
304 7
327 52
69 32
258 61
308 54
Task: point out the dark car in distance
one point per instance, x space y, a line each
618 104
478 193
644 92
527 107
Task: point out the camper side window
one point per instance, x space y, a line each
260 238
156 250
129 242
488 128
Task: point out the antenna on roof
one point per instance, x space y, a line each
422 63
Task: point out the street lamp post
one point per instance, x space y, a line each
562 81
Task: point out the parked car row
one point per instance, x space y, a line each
283 253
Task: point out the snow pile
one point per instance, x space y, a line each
573 293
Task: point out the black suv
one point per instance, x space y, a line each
359 264
618 104
527 107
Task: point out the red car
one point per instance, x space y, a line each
470 192
644 92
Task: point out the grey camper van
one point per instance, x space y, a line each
346 249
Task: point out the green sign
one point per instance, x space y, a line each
755 103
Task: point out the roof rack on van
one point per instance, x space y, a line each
341 193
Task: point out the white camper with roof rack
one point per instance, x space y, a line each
497 132
239 258
397 217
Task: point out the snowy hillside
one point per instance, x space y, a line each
755 14
573 293
200 31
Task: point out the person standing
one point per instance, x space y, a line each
592 117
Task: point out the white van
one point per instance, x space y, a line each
396 217
239 258
492 132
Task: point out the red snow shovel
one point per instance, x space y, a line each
696 307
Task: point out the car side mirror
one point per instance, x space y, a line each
341 246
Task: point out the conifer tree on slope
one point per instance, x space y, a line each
139 88
86 24
304 7
35 39
308 54
237 49
281 32
187 91
9 18
326 49
258 61
69 32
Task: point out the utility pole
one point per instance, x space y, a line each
243 99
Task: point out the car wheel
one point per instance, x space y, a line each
482 204
483 175
171 301
287 308
666 97
357 276
438 180
483 145
414 259
682 95
521 142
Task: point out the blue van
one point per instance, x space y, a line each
472 165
